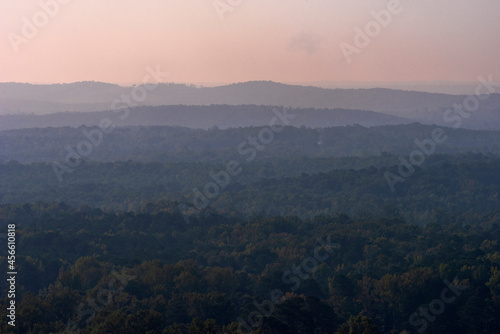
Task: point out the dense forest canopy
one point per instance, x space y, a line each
376 271
303 187
267 229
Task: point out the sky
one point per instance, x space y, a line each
227 41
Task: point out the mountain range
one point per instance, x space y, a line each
407 106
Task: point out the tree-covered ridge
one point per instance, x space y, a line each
170 277
92 96
304 187
174 230
200 117
177 144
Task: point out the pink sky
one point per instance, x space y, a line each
280 40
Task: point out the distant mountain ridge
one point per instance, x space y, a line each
18 98
202 117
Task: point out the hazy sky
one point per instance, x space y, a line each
279 40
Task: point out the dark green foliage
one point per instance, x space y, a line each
444 185
181 276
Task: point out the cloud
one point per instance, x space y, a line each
305 41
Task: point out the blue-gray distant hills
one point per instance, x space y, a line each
203 117
368 107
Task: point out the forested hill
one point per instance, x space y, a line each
175 144
443 186
203 225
